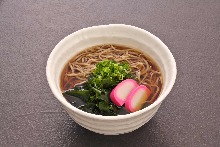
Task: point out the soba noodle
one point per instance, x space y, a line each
142 67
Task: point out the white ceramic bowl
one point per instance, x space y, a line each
115 34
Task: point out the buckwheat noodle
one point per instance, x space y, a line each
142 67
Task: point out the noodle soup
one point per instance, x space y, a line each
142 69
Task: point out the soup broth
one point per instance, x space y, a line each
143 69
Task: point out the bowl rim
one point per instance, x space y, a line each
60 97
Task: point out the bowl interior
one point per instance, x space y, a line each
111 34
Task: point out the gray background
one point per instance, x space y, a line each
29 30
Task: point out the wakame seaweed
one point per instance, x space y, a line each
96 91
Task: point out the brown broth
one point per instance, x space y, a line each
68 82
